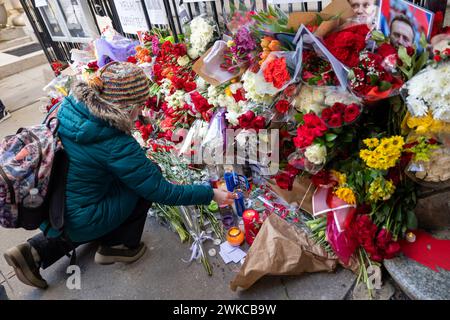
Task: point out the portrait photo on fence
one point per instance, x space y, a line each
404 22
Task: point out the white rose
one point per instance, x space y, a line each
316 154
182 61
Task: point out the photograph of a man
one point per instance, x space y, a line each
404 22
402 32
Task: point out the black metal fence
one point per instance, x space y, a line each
177 13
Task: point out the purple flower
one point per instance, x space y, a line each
244 41
155 45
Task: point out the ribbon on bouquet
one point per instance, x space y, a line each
196 245
324 201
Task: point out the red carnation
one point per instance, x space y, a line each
284 181
259 122
201 103
304 137
239 95
190 86
321 178
351 113
276 72
346 44
132 59
282 106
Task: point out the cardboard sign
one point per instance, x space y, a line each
337 7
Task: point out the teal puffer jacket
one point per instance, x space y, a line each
108 170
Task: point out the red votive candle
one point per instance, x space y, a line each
251 224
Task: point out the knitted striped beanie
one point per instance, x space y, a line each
122 84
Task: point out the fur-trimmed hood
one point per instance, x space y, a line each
100 108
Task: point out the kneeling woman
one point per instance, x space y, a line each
111 183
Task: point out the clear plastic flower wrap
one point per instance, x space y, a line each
310 159
192 142
433 170
316 98
318 66
371 81
278 71
215 137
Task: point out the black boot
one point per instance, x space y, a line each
25 266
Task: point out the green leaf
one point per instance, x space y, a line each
411 220
299 117
384 85
330 137
351 74
378 37
373 79
403 55
423 41
421 62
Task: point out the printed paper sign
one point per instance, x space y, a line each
288 1
156 11
131 15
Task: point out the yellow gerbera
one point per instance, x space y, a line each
371 142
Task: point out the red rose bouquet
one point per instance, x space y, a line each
339 114
346 44
370 81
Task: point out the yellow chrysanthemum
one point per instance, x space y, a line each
371 142
340 177
346 194
381 189
228 91
385 155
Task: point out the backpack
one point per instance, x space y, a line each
33 158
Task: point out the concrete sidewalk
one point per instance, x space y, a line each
161 274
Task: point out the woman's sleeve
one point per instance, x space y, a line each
128 162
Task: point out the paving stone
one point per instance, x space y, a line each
418 281
360 292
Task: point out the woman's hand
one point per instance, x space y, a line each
223 197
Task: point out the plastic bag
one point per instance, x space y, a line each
215 137
116 48
279 70
238 17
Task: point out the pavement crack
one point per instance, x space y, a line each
285 289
